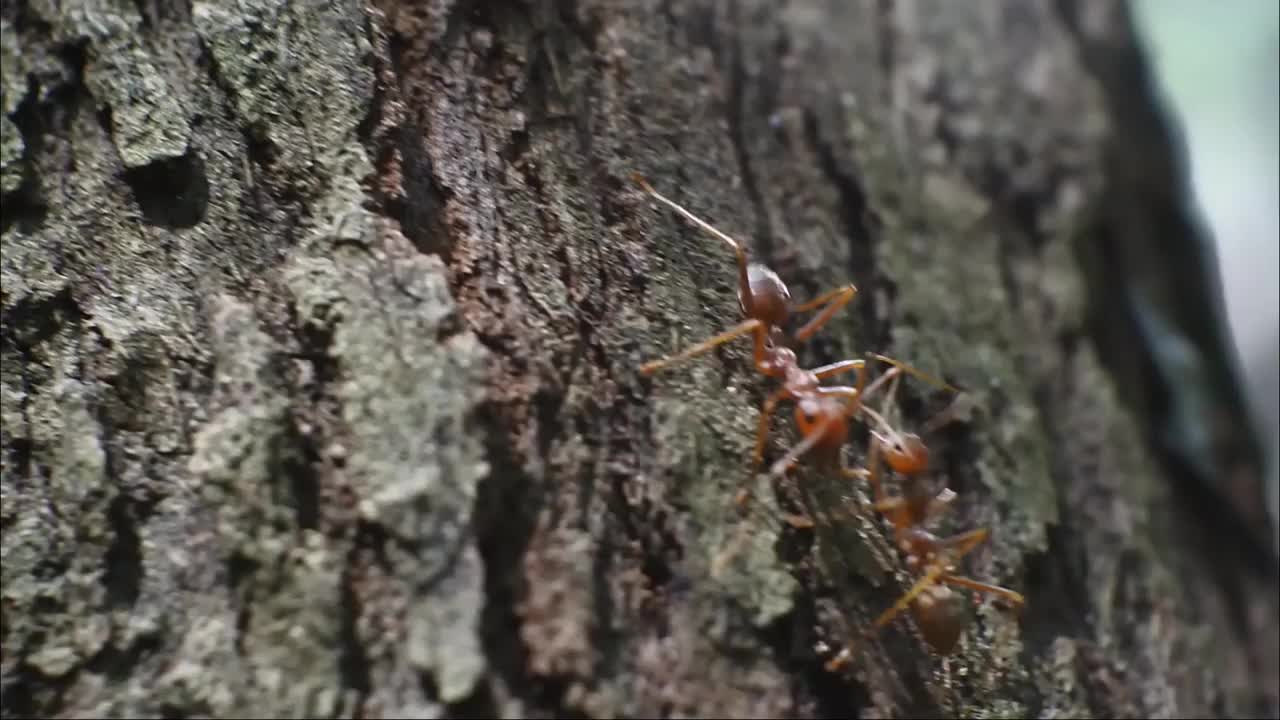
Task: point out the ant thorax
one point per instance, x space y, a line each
780 360
919 495
933 596
919 545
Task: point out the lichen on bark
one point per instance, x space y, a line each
320 328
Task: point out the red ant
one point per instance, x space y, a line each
822 416
766 302
940 613
821 413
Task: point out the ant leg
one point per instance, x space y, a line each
904 367
854 394
745 535
766 412
838 368
965 542
945 415
892 436
875 416
804 446
833 300
744 283
878 383
930 578
815 434
841 659
745 327
797 521
889 506
940 502
873 478
721 559
962 544
894 508
1014 598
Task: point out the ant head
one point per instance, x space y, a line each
906 453
770 299
941 615
813 413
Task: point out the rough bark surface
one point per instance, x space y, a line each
320 333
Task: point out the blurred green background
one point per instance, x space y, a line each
1219 67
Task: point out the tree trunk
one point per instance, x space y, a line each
321 328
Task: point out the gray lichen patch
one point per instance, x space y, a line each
11 147
443 637
746 558
407 394
236 452
740 550
964 322
305 111
55 642
206 672
148 117
1056 675
750 687
78 465
13 419
28 271
293 630
290 594
64 528
94 20
13 89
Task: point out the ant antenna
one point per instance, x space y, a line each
733 244
764 299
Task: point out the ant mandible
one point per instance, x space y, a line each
940 613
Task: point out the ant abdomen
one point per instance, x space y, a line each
941 614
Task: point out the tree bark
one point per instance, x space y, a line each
320 334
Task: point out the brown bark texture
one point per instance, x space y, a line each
321 327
